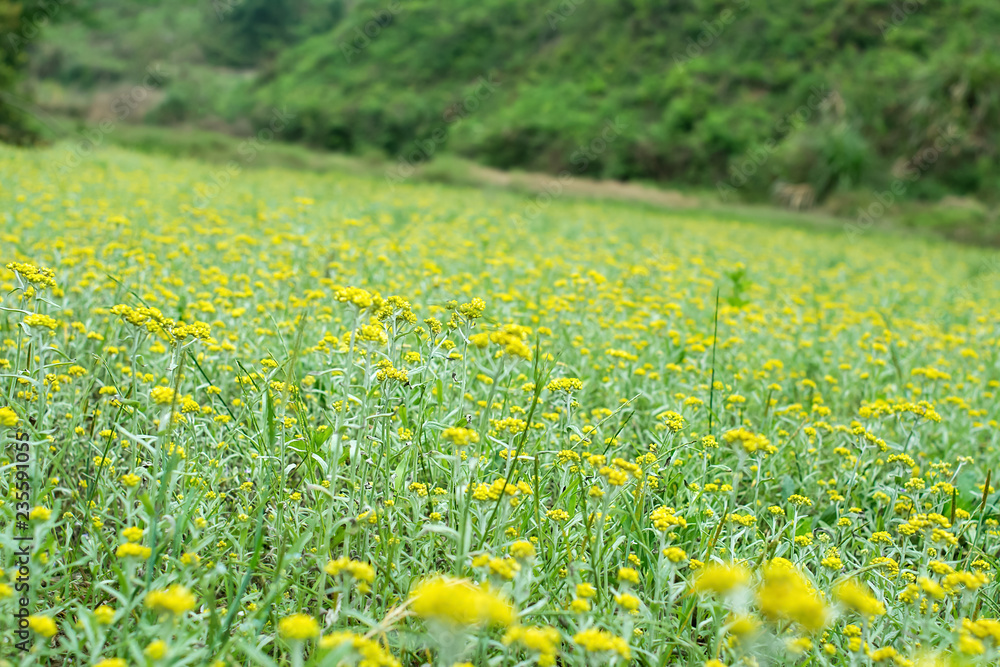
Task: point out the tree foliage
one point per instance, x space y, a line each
822 92
13 124
738 95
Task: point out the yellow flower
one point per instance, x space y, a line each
971 581
361 571
162 395
672 421
932 588
742 625
41 513
742 519
131 549
506 568
371 652
104 614
460 436
112 662
674 554
798 645
628 574
298 627
884 653
460 602
557 515
833 562
565 384
522 550
628 602
665 518
720 578
156 650
43 625
982 628
133 533
8 417
39 276
787 595
595 640
544 641
970 645
39 320
855 597
881 537
174 600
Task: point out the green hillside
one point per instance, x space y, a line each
796 102
15 124
699 88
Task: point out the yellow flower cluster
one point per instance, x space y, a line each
362 572
317 414
370 652
595 640
176 600
786 595
565 384
720 578
500 487
460 602
543 641
853 596
298 627
40 277
665 518
8 418
749 441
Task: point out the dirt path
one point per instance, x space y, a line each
580 187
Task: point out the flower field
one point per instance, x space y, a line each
332 420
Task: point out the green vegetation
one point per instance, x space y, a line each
821 92
17 24
300 420
810 102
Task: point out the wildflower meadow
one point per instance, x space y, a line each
324 419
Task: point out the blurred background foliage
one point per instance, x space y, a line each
805 101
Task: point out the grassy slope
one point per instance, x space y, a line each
564 71
564 74
533 188
264 496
